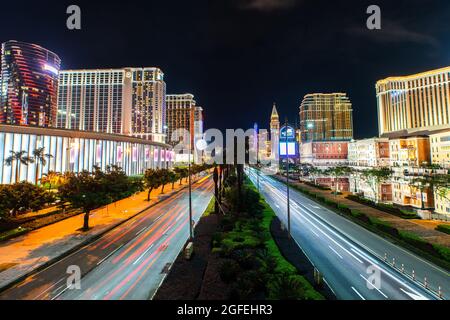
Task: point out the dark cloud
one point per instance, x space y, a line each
394 32
266 5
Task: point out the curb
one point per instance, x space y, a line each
82 244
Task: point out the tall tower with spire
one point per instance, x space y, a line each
274 135
274 119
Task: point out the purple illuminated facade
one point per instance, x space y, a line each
28 85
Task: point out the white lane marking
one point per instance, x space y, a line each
381 292
334 241
277 206
337 253
55 297
315 207
362 255
279 195
276 193
359 294
315 233
110 254
48 289
167 229
414 296
386 272
143 254
140 231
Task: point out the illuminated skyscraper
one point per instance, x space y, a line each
28 84
414 103
183 113
128 101
326 117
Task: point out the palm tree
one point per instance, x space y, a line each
314 172
375 177
40 158
437 182
17 158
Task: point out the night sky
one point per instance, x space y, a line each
239 56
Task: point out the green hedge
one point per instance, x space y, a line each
443 228
12 233
284 267
405 214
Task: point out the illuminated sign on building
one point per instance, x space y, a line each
50 68
288 145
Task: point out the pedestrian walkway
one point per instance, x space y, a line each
412 226
19 256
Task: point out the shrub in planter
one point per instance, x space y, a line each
320 198
245 258
443 228
227 223
344 209
229 271
267 261
385 227
285 287
418 242
216 239
443 252
252 279
331 203
360 216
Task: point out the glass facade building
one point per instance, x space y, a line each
28 84
183 113
129 101
326 117
413 103
78 150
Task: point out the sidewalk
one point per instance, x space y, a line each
420 228
20 256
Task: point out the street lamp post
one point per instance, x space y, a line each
257 159
287 180
191 231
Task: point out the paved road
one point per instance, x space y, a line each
343 251
129 262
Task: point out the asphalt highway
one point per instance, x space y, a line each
130 261
351 258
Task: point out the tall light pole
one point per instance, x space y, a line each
191 223
287 180
257 154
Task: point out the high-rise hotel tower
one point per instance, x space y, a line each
326 117
28 84
419 102
128 101
183 113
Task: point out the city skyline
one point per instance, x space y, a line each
283 67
